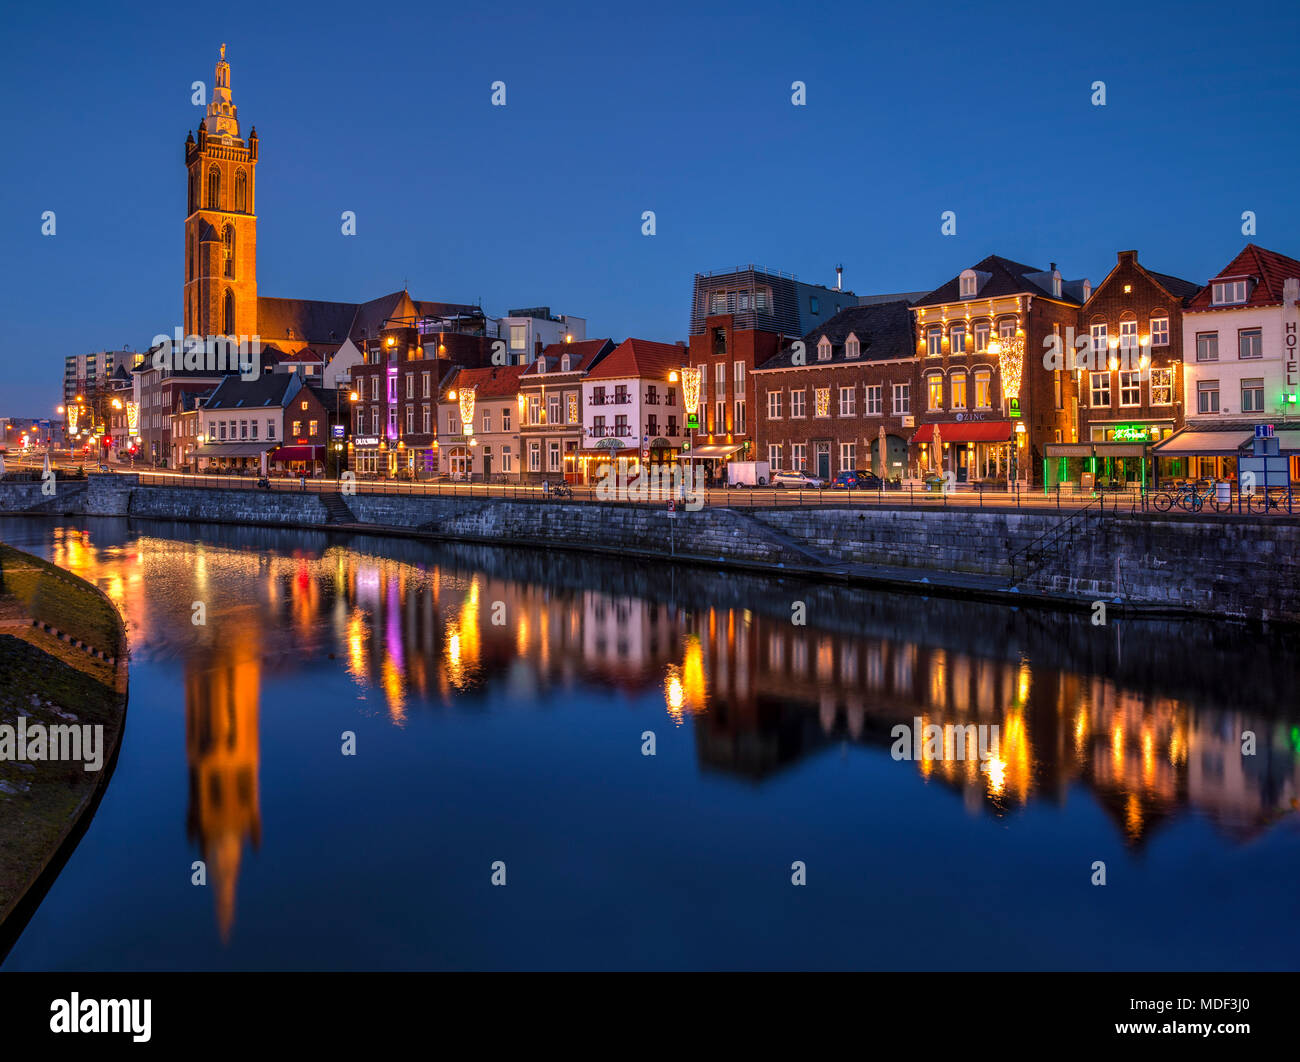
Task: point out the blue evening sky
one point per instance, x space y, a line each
683 109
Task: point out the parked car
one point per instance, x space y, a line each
802 480
857 481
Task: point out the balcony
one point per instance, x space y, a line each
614 431
610 400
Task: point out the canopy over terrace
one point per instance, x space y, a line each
973 448
243 455
1199 453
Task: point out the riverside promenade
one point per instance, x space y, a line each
1239 566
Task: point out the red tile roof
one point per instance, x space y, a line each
1268 267
499 381
580 355
640 358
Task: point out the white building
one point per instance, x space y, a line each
527 332
1241 342
632 407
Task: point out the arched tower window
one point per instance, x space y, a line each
228 249
194 190
214 189
228 314
241 191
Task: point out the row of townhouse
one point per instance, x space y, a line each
1004 372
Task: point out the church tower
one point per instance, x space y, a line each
221 220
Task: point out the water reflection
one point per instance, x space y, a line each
1140 715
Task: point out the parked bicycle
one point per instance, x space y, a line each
1278 499
1190 498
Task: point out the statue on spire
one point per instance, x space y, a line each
223 51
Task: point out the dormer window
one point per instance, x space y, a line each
852 348
1056 283
1230 292
969 285
564 363
541 366
824 349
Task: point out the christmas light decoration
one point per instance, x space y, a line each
467 407
823 398
1010 353
132 418
691 388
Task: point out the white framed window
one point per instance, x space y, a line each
848 452
984 390
852 348
1128 341
1130 388
1099 388
1229 292
518 337
824 349
1207 396
1007 328
902 398
534 457
487 421
1207 346
1252 396
552 456
720 377
873 400
1250 343
553 409
797 406
957 383
426 420
410 385
774 405
934 391
720 415
1099 341
957 344
934 341
534 409
798 459
981 336
1162 387
505 418
847 395
738 417
453 424
967 284
1160 331
410 420
507 460
774 456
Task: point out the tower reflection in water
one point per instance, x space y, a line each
1146 733
222 683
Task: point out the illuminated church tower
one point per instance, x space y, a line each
221 220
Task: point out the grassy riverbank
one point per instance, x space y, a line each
53 683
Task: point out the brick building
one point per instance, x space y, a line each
741 319
485 448
968 332
1130 391
824 406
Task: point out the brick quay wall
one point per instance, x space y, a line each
1243 567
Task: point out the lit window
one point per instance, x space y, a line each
934 392
1162 387
958 385
1100 388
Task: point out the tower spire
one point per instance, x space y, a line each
223 115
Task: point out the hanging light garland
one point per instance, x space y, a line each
823 396
1010 353
132 418
691 388
467 408
72 418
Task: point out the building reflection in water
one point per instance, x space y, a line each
1147 737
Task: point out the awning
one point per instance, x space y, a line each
712 450
965 431
238 449
299 453
1202 444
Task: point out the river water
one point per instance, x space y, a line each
500 703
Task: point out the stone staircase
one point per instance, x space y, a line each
336 509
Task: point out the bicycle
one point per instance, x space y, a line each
1190 499
1263 501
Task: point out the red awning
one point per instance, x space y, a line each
299 453
966 431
